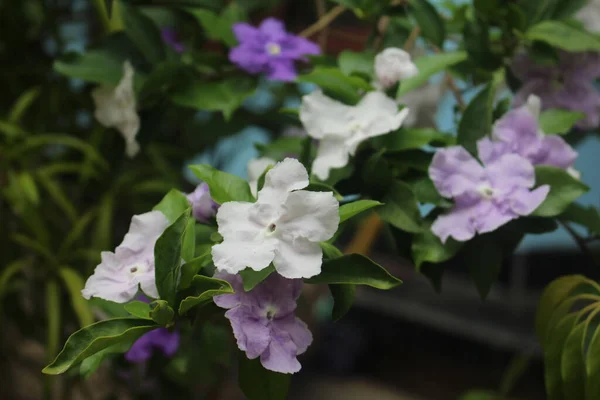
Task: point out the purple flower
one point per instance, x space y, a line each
159 339
264 322
568 85
518 132
203 206
169 36
270 49
486 197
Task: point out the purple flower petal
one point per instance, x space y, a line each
281 354
556 152
454 171
160 339
273 29
250 331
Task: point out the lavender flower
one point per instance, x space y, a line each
203 206
169 36
486 197
568 85
159 339
518 132
270 49
264 322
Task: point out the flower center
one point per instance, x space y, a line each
271 312
486 191
271 228
273 49
135 269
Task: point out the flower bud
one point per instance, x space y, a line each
393 65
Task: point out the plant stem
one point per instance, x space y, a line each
323 22
412 38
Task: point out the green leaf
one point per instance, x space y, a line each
564 190
564 36
343 298
281 147
573 364
413 138
431 23
225 96
173 205
162 313
427 248
206 288
143 32
355 269
349 210
94 338
357 62
588 217
258 383
333 82
138 309
553 355
476 121
192 267
429 66
167 255
557 121
53 316
223 187
219 27
8 272
98 66
593 367
22 104
251 278
74 284
92 363
483 258
426 193
401 208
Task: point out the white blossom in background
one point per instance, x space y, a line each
257 167
120 274
341 128
423 104
393 65
116 108
590 16
283 227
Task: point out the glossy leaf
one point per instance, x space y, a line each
193 267
251 278
564 190
343 298
426 247
206 288
476 121
355 269
223 187
138 309
349 210
400 208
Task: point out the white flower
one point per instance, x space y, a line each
257 167
283 227
119 275
342 128
590 16
393 65
116 108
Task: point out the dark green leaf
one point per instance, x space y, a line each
330 251
162 313
94 338
573 364
484 257
426 193
206 288
356 62
173 205
142 31
377 175
557 121
400 208
92 363
564 36
585 216
426 247
349 210
476 33
224 187
335 83
219 27
431 23
343 298
138 309
257 383
98 66
564 189
251 278
413 138
53 318
430 65
192 267
476 121
167 255
553 355
355 269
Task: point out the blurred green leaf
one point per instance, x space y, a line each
22 104
349 210
74 283
53 318
476 121
143 32
162 313
400 208
258 383
429 20
173 205
357 62
564 190
224 187
426 247
557 121
413 138
7 273
219 27
343 298
430 65
563 36
333 82
588 217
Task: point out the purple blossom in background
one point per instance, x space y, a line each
568 85
203 206
159 339
518 132
270 49
264 321
170 37
486 197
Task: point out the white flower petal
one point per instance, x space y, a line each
323 116
144 231
332 153
256 167
108 282
311 215
534 105
393 65
378 114
116 108
284 177
298 258
245 243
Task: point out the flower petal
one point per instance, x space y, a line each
556 152
110 282
281 69
298 258
230 300
377 114
251 334
509 171
284 177
322 116
280 356
273 29
311 215
489 150
296 47
332 153
144 231
524 202
457 223
298 331
454 171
